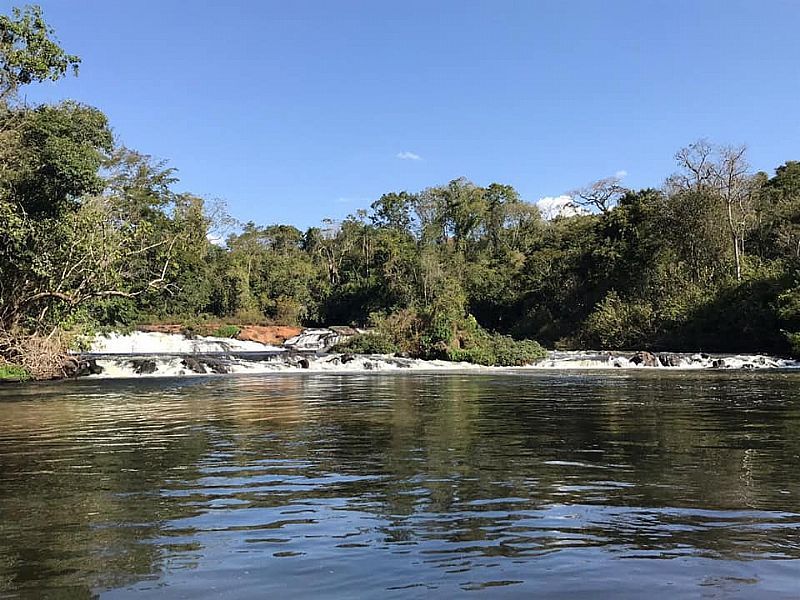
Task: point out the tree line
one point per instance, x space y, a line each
93 234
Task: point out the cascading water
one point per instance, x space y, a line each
165 355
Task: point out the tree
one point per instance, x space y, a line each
393 211
602 194
720 171
53 157
29 51
500 200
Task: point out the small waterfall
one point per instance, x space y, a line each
141 342
141 354
319 340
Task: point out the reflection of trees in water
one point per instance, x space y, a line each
494 465
79 488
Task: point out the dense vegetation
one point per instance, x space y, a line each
93 234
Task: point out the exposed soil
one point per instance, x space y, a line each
274 335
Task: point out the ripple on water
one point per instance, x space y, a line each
434 484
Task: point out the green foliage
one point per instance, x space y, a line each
442 335
57 152
93 235
10 372
619 324
497 350
794 344
226 331
367 343
29 51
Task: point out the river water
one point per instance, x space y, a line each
613 484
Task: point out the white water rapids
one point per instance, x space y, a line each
142 354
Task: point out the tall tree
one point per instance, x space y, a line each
29 51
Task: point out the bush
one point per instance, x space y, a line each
442 332
14 373
226 331
618 324
367 343
498 351
513 353
794 344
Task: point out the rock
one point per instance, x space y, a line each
347 358
646 359
319 339
402 355
214 365
343 331
304 363
193 365
718 363
143 366
71 366
670 360
75 367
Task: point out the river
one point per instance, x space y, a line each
552 484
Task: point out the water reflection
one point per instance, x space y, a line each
413 484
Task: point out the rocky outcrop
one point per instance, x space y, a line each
193 365
645 359
144 366
670 360
319 340
214 365
75 367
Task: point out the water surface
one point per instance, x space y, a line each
544 484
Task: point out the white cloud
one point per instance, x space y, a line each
216 239
558 206
621 174
408 156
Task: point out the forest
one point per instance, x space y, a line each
94 236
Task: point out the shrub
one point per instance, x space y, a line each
498 351
442 333
14 373
794 344
226 331
618 324
367 343
514 353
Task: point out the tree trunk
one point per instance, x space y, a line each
735 239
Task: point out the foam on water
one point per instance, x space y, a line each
611 360
142 354
315 339
169 366
140 342
124 367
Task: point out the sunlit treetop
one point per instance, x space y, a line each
29 51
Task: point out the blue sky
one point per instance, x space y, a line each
296 111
